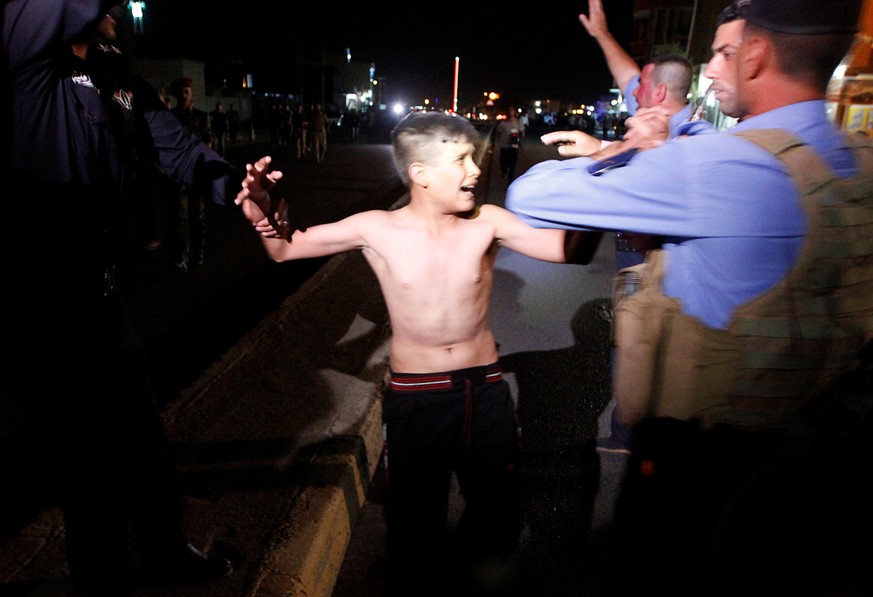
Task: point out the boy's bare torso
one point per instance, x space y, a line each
437 282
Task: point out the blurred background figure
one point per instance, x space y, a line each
190 208
318 125
299 126
218 122
353 123
232 123
509 134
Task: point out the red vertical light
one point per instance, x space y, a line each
455 90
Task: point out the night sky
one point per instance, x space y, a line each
531 54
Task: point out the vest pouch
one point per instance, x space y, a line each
698 369
640 320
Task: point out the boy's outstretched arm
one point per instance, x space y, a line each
281 241
511 232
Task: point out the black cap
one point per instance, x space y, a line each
107 6
805 17
181 83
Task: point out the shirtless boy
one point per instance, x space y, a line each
447 407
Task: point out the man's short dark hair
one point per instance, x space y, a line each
805 17
812 58
810 37
674 70
734 12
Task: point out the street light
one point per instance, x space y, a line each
136 10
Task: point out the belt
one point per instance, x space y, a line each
426 382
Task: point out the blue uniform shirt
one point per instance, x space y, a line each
731 206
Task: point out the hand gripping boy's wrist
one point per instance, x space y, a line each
260 204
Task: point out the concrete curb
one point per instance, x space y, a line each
309 545
305 551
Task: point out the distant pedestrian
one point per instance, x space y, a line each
274 123
219 124
299 127
509 134
286 127
318 126
232 123
190 209
353 125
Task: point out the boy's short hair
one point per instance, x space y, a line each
414 137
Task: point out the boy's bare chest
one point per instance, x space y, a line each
424 262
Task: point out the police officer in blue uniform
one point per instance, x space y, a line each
78 122
743 226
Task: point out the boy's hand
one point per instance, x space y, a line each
257 183
254 198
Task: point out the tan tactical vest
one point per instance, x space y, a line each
781 348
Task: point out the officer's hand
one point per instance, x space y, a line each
278 225
595 21
647 129
572 143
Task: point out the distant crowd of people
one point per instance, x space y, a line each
305 129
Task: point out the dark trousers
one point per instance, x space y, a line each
726 512
461 422
190 240
97 435
508 161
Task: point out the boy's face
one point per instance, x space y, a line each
452 174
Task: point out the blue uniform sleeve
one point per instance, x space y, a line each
186 159
701 186
698 127
633 198
630 101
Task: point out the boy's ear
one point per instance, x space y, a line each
418 174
